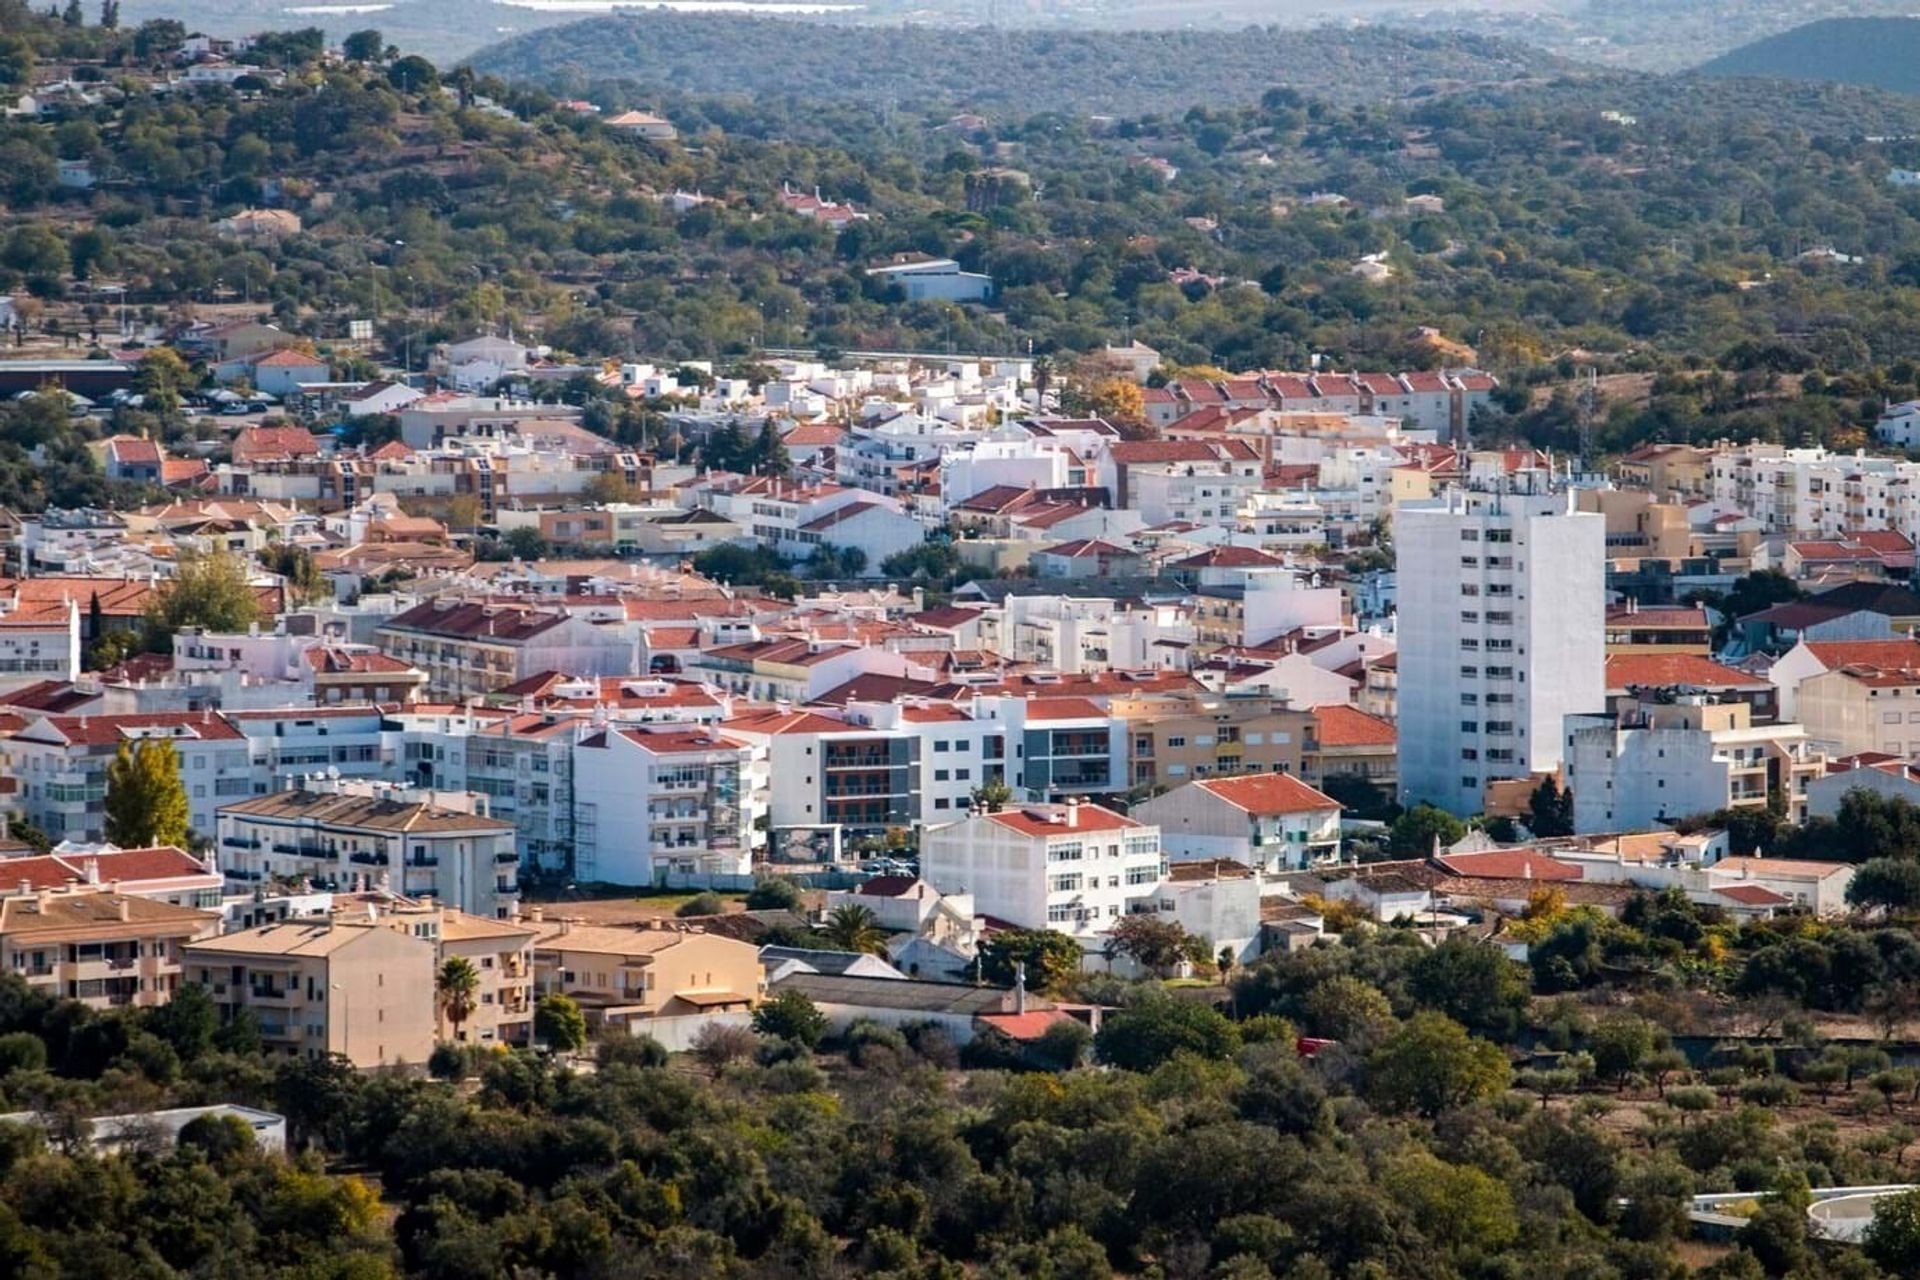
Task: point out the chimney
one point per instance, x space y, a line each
126 909
1073 812
537 914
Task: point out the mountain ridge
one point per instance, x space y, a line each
1874 52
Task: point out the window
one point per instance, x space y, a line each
940 775
1469 562
942 803
1469 699
1176 742
1468 615
1499 535
1470 784
1063 884
1469 535
962 775
1468 673
939 746
1069 851
1469 726
1469 753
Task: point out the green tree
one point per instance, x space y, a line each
1893 883
1156 945
701 904
1549 809
1893 1237
1473 983
457 987
209 590
146 802
1454 1204
160 378
558 1022
775 893
992 795
1414 832
525 543
1620 1045
413 74
1348 1009
1050 957
791 1016
364 46
1431 1064
853 927
1149 1032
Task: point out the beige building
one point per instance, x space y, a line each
1863 707
621 976
1638 524
102 948
360 989
502 953
1633 628
1177 738
1670 472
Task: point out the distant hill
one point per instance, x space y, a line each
1015 72
1880 53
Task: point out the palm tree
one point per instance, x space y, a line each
855 928
458 986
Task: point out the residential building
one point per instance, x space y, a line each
1175 738
103 948
1863 706
1810 658
1268 821
357 988
163 874
60 762
1633 628
501 953
1658 761
366 836
662 798
1072 867
470 647
1502 630
630 977
1346 742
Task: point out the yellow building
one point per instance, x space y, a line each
501 951
357 988
622 975
101 948
1671 472
1176 738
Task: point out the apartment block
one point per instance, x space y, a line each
102 948
375 837
624 977
1502 609
356 988
662 798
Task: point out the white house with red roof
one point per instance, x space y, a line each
162 873
1075 868
1269 821
1809 658
60 763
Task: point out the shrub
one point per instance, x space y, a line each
705 904
791 1016
718 1043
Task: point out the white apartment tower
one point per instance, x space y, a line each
1502 625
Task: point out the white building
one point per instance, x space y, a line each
40 644
1502 632
1267 821
936 280
662 799
1073 867
1654 762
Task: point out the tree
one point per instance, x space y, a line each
1050 958
1893 1237
701 904
854 928
364 46
1893 883
1152 943
557 1020
1619 1045
791 1016
1348 1009
1549 809
209 590
412 74
1473 983
1431 1064
457 984
992 795
775 893
1143 1035
717 1044
1413 834
160 378
525 543
146 802
1454 1204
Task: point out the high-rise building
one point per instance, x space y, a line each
1502 630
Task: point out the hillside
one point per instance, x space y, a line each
1881 53
1019 72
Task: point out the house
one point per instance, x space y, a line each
471 647
357 988
104 948
1386 891
132 460
260 226
1215 898
934 280
1346 742
646 979
815 209
61 763
164 874
501 953
1817 887
909 905
255 445
1072 867
110 1134
781 961
374 835
378 397
1268 821
643 124
1810 658
1864 706
1894 779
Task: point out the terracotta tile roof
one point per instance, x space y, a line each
328 660
1265 794
945 617
779 722
885 886
1230 558
133 450
1659 617
1904 652
1753 895
475 620
126 866
1140 452
105 731
288 358
1063 709
1027 820
1338 725
1662 670
679 741
1508 864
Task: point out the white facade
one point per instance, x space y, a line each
40 648
648 801
1502 629
1073 868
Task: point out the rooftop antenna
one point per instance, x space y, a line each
1588 401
